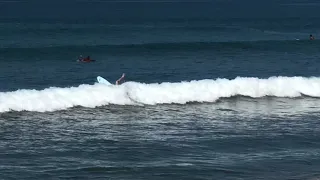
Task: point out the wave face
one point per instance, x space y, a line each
134 93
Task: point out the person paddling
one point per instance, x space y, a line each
87 59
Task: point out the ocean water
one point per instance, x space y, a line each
213 90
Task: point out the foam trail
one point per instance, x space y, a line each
134 93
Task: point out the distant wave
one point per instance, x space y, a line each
135 93
276 45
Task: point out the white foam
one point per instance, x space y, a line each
134 93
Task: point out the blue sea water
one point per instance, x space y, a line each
213 90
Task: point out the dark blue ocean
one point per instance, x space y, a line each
213 90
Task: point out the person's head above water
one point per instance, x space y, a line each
311 37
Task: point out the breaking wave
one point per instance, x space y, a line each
135 93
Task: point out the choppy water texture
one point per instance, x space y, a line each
208 94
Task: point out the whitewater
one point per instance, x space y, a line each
136 93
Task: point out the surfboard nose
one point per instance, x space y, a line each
103 81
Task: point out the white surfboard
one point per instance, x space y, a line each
103 81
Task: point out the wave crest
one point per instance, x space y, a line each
135 93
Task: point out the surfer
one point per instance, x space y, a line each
119 81
311 37
87 59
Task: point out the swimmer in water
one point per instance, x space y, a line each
311 37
